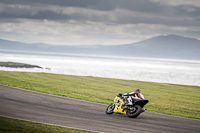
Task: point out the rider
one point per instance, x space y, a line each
135 94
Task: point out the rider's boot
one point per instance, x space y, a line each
143 110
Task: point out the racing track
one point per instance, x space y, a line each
66 112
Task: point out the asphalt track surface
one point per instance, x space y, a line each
66 112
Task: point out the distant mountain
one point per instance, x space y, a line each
170 46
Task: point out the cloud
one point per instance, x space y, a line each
97 21
118 16
179 2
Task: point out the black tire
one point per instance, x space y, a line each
110 108
135 113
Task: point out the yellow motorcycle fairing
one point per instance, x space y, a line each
118 105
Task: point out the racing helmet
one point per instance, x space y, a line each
137 90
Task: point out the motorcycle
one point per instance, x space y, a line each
132 109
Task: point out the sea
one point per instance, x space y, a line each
174 71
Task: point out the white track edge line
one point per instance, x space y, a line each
51 124
51 94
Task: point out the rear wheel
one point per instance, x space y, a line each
110 108
134 111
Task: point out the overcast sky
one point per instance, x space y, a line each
103 22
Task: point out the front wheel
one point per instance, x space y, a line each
110 108
134 111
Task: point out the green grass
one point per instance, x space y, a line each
178 100
8 125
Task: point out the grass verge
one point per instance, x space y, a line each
8 125
178 100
